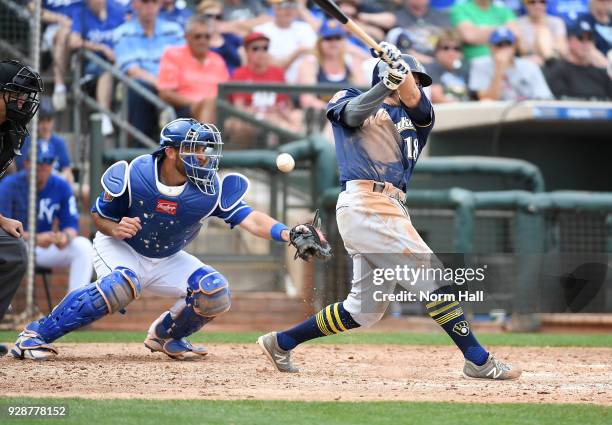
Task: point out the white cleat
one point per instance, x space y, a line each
492 369
280 358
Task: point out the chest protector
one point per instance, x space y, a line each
169 221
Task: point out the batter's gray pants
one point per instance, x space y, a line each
13 260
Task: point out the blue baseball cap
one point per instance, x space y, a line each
331 28
402 38
502 34
44 155
579 28
46 109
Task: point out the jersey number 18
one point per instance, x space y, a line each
412 147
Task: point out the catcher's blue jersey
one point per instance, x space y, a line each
169 220
386 146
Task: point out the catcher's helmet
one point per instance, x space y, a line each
20 86
174 133
199 148
412 62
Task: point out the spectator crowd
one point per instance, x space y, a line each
474 49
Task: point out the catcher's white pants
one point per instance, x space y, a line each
160 276
377 234
78 255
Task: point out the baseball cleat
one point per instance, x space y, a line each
280 358
177 349
31 346
492 369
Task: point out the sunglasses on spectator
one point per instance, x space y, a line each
149 1
214 16
504 44
333 38
201 35
286 5
260 48
585 38
532 2
447 48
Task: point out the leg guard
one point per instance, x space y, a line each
119 288
207 296
79 308
209 291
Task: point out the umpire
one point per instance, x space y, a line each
19 89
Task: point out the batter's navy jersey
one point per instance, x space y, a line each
386 146
55 202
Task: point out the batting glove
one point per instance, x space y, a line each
394 77
389 53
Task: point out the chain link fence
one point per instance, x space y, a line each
16 31
20 35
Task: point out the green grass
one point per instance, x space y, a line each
405 338
251 412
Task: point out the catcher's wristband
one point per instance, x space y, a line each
276 230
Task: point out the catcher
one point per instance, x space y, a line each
148 212
379 135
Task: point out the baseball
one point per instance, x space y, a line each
285 162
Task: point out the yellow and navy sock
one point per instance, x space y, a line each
449 315
331 320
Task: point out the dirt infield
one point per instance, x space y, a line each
328 372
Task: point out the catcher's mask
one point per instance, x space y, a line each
200 148
20 86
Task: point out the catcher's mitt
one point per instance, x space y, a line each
309 242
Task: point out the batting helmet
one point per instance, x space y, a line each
412 62
199 148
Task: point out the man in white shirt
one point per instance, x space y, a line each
289 37
503 76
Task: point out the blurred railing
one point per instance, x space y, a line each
119 119
514 173
225 109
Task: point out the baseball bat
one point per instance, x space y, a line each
334 11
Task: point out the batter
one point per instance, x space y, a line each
379 135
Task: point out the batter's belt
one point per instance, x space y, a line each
373 186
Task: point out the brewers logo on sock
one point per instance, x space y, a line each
462 328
